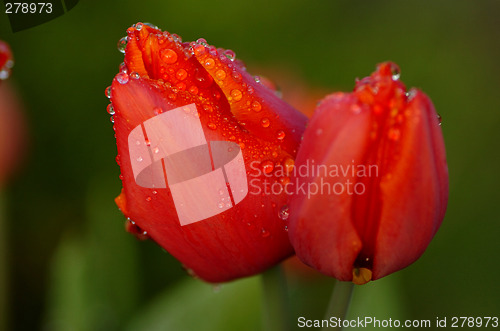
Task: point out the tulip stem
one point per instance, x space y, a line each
3 266
339 302
275 308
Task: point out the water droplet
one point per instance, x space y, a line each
284 213
264 233
181 74
236 95
112 119
202 41
230 54
209 63
256 106
440 119
221 205
138 26
236 76
123 68
122 78
139 159
411 94
107 92
212 126
198 50
355 108
176 38
134 75
220 74
289 164
193 90
155 192
122 44
395 71
148 199
110 109
156 150
265 122
280 135
257 79
157 110
168 56
267 166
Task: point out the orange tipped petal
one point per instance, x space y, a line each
244 239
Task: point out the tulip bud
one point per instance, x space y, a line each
375 159
191 126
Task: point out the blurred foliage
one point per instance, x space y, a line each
73 267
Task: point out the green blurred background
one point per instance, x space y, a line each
71 265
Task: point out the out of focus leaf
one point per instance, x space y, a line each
194 305
94 282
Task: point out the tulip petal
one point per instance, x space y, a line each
414 193
321 229
255 106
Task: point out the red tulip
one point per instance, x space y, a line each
162 76
372 180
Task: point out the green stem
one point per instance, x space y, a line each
339 302
3 266
275 313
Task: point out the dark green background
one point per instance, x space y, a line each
73 267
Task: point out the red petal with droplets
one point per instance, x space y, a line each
245 239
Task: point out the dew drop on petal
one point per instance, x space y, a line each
289 164
181 74
256 106
148 199
267 166
395 71
198 50
168 56
236 95
212 126
265 122
209 63
134 75
280 135
107 92
265 233
284 213
220 74
122 44
122 78
440 119
110 109
230 54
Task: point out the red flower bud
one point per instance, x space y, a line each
223 106
376 161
